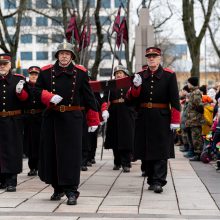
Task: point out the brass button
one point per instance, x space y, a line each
53 76
4 85
3 103
34 101
152 87
4 91
3 110
152 81
3 97
53 83
72 90
54 90
150 99
151 92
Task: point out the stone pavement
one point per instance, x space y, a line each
192 192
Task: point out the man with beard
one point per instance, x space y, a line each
62 87
11 124
156 94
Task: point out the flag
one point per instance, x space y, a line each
123 33
83 39
18 66
116 24
72 32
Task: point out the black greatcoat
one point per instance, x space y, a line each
32 123
121 122
11 128
153 137
61 134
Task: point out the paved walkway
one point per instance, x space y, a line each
107 194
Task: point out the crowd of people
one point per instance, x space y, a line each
54 118
198 135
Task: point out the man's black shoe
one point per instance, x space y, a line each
93 161
84 168
11 189
151 187
158 189
116 167
72 200
126 169
32 173
89 164
56 196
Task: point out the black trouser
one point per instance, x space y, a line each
92 137
122 157
33 163
8 179
156 171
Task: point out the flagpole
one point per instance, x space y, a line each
121 48
81 55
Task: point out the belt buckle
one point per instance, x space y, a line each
62 108
32 111
121 100
149 104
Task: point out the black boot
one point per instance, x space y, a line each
72 198
57 196
158 189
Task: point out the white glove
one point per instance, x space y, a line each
174 126
137 80
92 128
105 115
56 99
20 86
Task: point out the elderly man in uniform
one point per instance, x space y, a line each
156 93
32 118
11 124
61 87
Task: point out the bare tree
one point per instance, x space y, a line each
193 40
9 42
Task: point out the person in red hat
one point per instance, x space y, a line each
12 96
62 87
32 118
156 95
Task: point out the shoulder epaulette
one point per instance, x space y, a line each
168 70
47 67
81 67
16 74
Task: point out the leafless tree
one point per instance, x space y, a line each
194 40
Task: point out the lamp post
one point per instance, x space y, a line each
143 3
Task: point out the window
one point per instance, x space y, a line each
42 55
26 21
104 20
41 4
106 4
105 72
106 55
42 38
118 3
10 4
10 22
29 4
56 4
26 38
93 37
26 55
41 21
57 38
121 54
56 21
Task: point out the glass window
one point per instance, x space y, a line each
26 21
42 38
29 4
26 38
10 21
56 21
121 54
42 55
104 20
57 38
56 4
105 72
10 4
41 4
26 55
41 21
106 55
106 4
118 3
